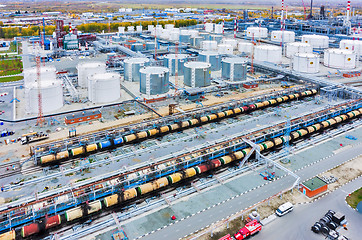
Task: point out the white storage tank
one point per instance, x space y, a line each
211 57
234 69
193 33
104 87
86 69
150 28
51 93
205 35
282 36
175 34
268 53
170 63
154 80
306 62
217 38
197 74
121 30
340 58
225 49
257 32
297 47
130 29
169 26
47 73
218 28
245 47
316 41
232 42
209 27
354 45
196 41
139 29
209 45
132 68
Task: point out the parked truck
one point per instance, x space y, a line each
250 229
32 137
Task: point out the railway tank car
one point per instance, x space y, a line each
154 185
99 146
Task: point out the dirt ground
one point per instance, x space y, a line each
345 173
22 151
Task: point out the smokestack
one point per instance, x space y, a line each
235 26
348 10
70 28
282 17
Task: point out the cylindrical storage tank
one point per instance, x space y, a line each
169 26
138 28
257 32
211 57
47 73
316 41
185 36
194 33
51 94
245 47
209 27
154 80
165 34
225 49
86 69
197 74
339 58
205 36
268 53
175 34
217 38
150 27
209 45
282 36
104 87
306 62
232 42
137 47
233 69
130 29
353 45
121 29
150 45
297 47
132 68
170 62
196 41
218 28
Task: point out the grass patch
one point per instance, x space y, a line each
11 66
11 49
11 79
354 198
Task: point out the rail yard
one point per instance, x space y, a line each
179 128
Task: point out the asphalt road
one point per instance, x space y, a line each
296 225
198 221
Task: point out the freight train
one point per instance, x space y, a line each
94 207
116 142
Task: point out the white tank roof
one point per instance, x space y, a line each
338 51
136 60
197 65
154 70
234 60
306 55
173 56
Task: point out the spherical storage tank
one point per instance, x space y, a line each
354 45
154 80
86 69
306 62
316 41
257 32
225 49
209 45
268 53
245 47
104 87
197 74
339 58
233 69
132 68
285 36
297 47
51 90
211 57
170 62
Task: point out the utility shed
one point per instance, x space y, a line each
313 187
82 116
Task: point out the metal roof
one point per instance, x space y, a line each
82 114
314 183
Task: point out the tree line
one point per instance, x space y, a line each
11 32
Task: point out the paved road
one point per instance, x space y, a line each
296 225
214 214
